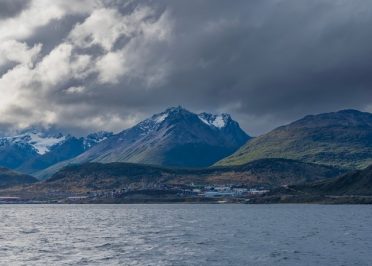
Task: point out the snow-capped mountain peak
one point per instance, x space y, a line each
32 150
174 137
155 122
40 141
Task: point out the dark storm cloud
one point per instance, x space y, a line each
266 62
277 60
10 8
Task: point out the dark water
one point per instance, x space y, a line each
185 235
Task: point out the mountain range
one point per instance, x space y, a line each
173 138
178 138
33 150
307 159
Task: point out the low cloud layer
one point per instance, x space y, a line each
104 65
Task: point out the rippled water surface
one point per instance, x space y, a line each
185 235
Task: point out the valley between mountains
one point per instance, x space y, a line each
178 155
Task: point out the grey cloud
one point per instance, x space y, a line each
279 59
266 62
55 32
10 8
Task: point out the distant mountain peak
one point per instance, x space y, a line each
34 149
217 121
174 137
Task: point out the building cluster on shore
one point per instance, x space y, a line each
173 191
146 191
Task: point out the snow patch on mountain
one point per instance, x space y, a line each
205 121
217 121
153 123
160 118
43 144
40 142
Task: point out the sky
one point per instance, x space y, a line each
91 65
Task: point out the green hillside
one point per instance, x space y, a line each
342 139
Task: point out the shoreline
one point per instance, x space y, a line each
273 199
